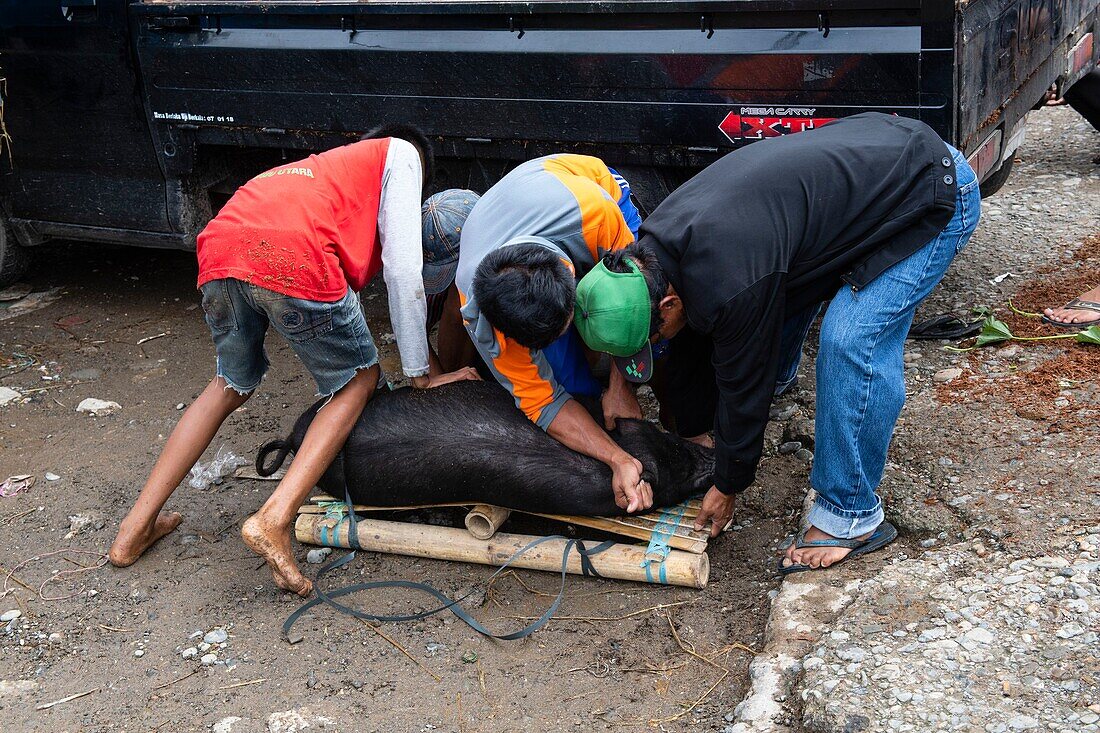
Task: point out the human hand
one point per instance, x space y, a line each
631 492
428 381
717 511
621 402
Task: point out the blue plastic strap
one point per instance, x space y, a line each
327 597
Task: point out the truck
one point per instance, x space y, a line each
126 121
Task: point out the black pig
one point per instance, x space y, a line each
467 442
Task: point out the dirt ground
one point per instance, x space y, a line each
600 673
610 659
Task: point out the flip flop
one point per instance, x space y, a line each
1077 305
944 327
883 535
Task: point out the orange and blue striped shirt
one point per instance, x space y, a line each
572 204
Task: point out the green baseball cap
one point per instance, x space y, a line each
612 314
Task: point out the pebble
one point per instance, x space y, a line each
189 653
208 659
139 652
804 455
1070 630
944 376
318 555
180 405
216 636
790 447
980 635
52 476
1023 722
10 615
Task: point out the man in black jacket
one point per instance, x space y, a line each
867 213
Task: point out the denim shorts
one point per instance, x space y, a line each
331 339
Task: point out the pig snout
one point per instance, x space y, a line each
679 467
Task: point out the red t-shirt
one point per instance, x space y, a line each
307 229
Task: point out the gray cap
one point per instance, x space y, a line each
442 217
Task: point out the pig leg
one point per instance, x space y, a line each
267 532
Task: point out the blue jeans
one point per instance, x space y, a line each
860 372
331 339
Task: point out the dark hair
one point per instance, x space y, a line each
411 135
655 279
526 292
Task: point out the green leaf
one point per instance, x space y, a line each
983 311
1090 335
993 332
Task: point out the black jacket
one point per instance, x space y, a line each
779 225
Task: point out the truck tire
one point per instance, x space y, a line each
14 259
993 184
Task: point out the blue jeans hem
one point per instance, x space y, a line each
342 382
844 524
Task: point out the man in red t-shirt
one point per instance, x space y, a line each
290 250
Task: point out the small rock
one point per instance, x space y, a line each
225 725
180 406
11 615
1023 722
944 376
208 659
804 455
139 652
931 635
469 657
92 406
782 413
1050 563
52 476
851 653
1068 631
189 653
432 648
980 635
216 636
318 555
788 448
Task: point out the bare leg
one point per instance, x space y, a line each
145 524
267 532
456 350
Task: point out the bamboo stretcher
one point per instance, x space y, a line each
676 554
639 527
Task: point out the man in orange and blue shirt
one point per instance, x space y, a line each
525 244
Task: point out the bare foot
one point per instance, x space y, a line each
273 545
706 440
130 543
1074 315
817 557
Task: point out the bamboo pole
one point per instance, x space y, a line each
620 561
484 520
